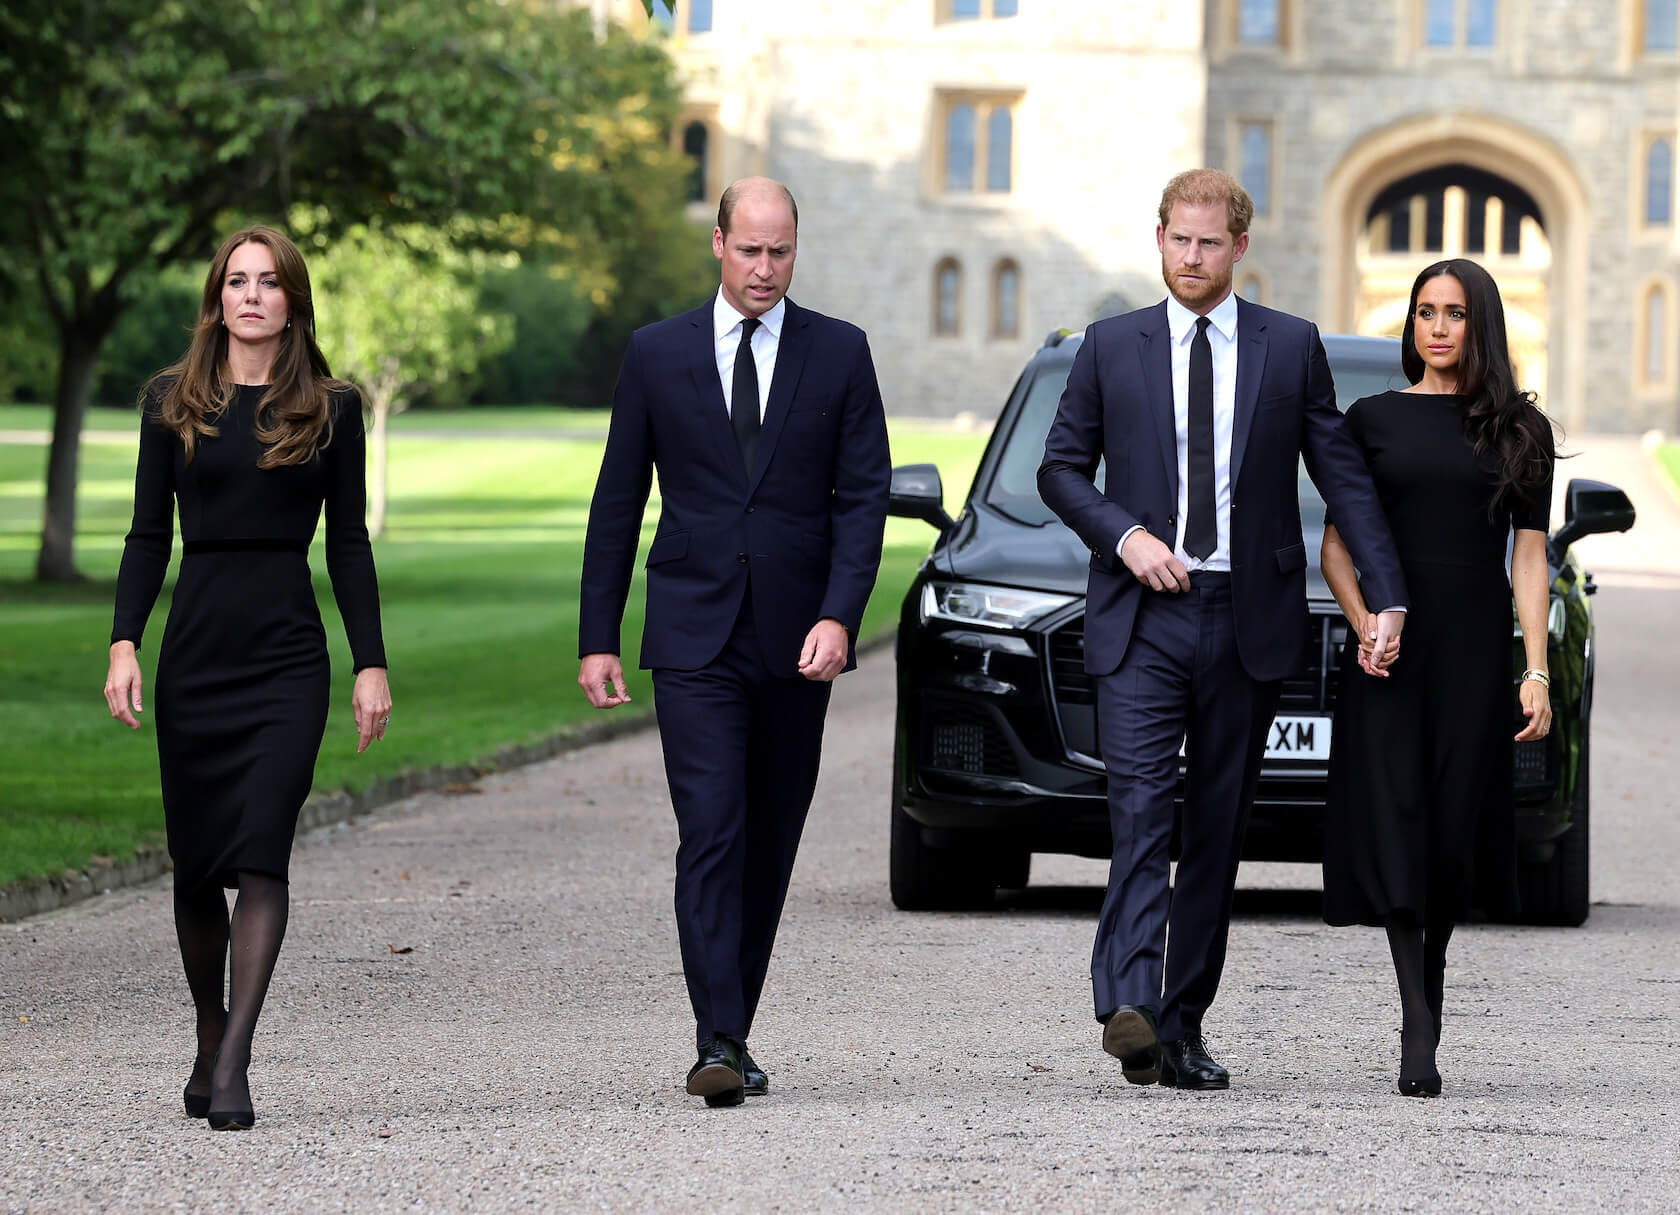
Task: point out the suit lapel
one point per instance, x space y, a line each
791 350
708 390
1251 364
1155 349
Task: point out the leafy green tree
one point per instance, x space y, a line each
134 132
397 314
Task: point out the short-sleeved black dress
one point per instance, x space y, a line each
1419 819
243 679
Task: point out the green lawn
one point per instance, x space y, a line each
478 571
1668 455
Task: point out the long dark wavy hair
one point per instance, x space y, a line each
294 417
1510 434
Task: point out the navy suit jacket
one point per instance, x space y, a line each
805 523
1118 406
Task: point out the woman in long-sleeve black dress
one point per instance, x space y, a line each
1419 819
247 436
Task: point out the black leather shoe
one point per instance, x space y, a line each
716 1076
1129 1035
1422 1086
756 1082
1186 1064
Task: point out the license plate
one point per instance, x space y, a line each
1299 738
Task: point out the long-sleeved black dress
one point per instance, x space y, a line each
1419 821
243 679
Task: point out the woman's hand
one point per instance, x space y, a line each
1369 661
122 684
371 702
1537 707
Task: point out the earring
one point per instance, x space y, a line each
288 322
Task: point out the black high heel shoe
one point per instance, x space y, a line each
1421 1086
198 1104
235 1119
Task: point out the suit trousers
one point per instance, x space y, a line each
1162 947
741 753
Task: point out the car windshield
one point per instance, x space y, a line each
1013 487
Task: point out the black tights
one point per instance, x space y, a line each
209 937
1420 965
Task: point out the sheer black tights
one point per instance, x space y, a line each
209 940
1420 963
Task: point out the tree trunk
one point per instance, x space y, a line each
78 357
379 441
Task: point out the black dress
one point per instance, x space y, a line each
243 679
1419 818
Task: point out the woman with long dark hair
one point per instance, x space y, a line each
248 435
1419 822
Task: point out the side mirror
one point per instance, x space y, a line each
1589 508
918 494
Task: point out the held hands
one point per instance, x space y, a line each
1153 564
1537 707
825 651
1379 641
122 684
601 676
370 700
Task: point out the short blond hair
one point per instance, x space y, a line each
1204 188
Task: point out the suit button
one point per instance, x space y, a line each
1172 519
740 558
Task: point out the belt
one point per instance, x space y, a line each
244 546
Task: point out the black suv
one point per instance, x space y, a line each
995 749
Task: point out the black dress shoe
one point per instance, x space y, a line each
1129 1035
1421 1086
1186 1064
756 1083
716 1076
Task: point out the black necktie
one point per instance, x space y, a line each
743 398
1201 526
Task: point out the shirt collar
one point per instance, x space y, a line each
1181 322
725 319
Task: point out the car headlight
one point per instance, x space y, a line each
998 607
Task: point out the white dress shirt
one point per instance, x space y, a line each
766 340
1222 340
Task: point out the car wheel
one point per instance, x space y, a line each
1555 891
924 877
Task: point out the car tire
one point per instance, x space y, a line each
1556 891
923 877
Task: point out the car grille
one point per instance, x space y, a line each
966 739
1312 689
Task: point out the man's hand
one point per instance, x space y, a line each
601 676
1385 640
825 652
1153 564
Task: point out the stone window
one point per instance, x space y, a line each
1006 299
974 10
1659 182
1258 22
978 152
1656 341
1660 25
947 298
699 16
1451 23
1252 287
1254 164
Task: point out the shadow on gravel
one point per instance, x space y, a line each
1087 900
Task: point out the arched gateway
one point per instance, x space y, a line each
1450 184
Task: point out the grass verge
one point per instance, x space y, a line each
478 573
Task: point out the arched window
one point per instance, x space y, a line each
947 298
1659 181
1662 25
1006 299
959 148
1252 289
1257 22
1255 165
696 144
1000 137
1654 326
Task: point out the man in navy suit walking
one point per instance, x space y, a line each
764 422
1203 406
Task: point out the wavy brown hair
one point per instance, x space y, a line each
294 417
1501 420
